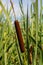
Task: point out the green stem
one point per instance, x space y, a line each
40 29
27 37
5 55
21 63
36 11
40 18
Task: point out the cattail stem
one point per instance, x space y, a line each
21 63
13 9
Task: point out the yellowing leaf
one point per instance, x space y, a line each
5 34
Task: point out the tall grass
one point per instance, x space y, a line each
9 47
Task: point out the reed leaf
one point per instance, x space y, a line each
9 47
27 42
1 4
36 11
21 7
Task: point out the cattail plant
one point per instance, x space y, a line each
30 54
18 31
19 35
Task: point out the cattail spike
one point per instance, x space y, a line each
19 35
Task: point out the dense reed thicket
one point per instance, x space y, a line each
21 43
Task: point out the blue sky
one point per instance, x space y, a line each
16 5
17 8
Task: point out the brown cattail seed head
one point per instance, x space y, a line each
30 53
19 35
